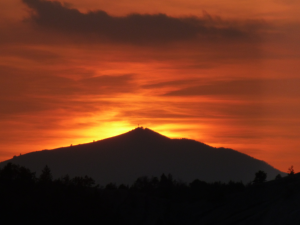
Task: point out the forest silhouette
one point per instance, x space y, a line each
30 199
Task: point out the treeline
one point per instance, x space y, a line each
24 197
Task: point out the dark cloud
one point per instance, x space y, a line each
135 28
174 83
252 88
223 88
246 111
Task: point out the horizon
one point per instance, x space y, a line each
131 131
144 152
224 73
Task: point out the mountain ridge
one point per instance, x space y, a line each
144 152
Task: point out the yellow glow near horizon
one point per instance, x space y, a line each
109 129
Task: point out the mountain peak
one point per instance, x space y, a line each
141 134
147 132
144 152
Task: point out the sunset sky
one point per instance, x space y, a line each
225 73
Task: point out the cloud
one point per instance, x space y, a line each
109 84
135 28
27 83
222 88
247 89
173 83
37 55
26 91
153 114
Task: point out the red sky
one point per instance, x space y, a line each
225 73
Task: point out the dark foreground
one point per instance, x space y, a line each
27 199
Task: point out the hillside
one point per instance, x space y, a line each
143 152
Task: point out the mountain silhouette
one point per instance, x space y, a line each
143 152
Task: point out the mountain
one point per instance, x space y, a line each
143 152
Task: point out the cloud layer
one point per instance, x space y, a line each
136 28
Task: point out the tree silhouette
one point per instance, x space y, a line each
260 177
291 171
85 181
111 186
16 174
46 175
77 201
141 183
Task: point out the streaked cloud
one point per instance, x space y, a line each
238 88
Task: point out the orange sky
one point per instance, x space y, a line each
225 73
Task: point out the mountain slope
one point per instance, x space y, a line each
143 152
